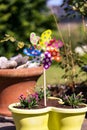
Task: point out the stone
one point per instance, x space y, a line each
20 59
11 64
18 62
6 64
35 64
3 62
22 66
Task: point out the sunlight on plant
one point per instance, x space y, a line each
73 100
32 100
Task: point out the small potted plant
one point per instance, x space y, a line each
31 112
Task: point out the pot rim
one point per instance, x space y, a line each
47 109
26 111
24 72
70 110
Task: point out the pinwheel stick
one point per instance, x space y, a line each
45 88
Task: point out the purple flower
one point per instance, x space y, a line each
36 96
29 100
22 97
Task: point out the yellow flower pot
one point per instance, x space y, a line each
67 119
30 119
49 118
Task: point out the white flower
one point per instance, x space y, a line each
79 50
84 47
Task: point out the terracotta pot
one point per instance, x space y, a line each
14 82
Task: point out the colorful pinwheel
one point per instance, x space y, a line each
50 48
45 48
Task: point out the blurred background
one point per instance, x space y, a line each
20 17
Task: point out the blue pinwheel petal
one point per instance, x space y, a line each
36 52
32 51
27 52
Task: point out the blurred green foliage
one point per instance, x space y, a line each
20 17
76 5
84 58
79 5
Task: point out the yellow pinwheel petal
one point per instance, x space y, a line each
45 38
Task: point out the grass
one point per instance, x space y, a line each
54 76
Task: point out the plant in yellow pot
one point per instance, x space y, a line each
27 114
31 113
71 113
